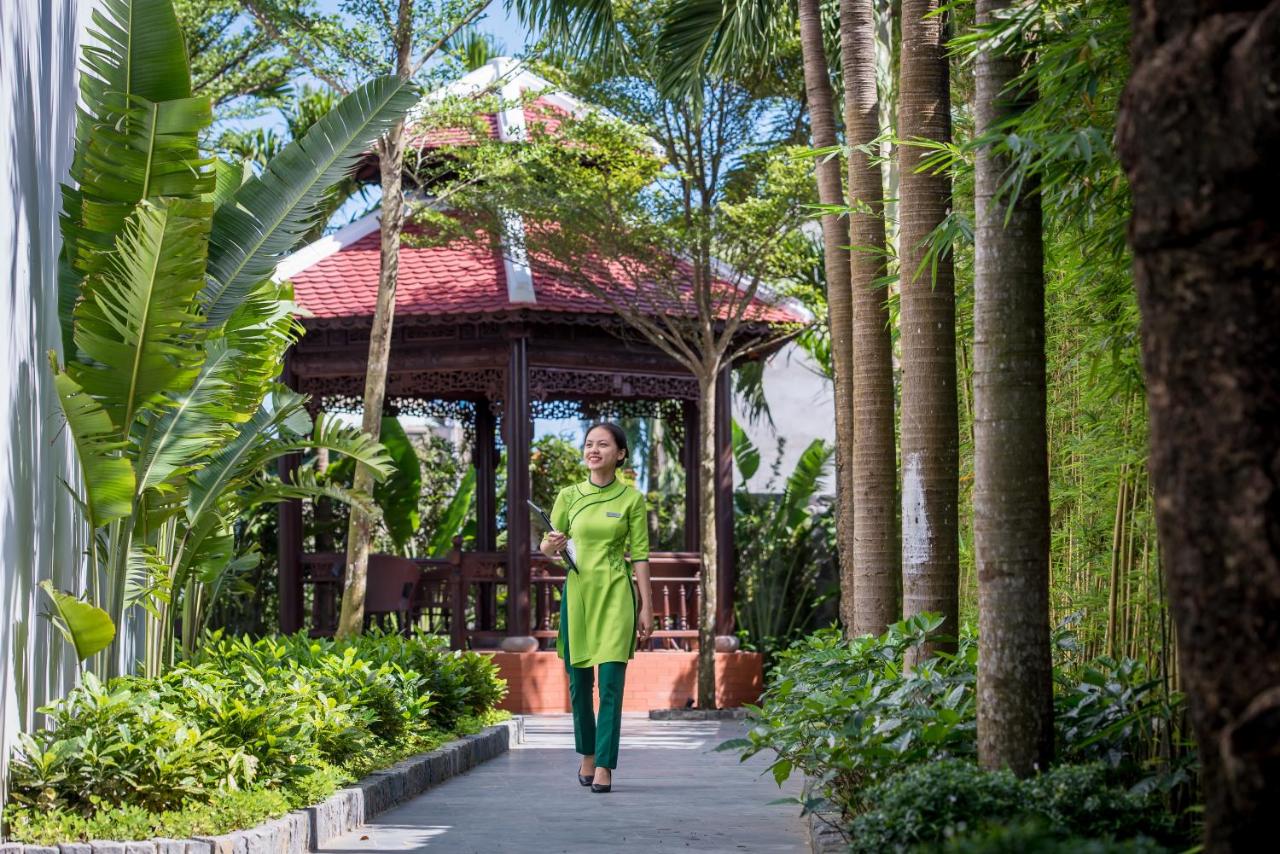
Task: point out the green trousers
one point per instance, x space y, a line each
591 735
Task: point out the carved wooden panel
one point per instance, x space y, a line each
564 383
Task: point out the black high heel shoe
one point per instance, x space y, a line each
584 779
600 788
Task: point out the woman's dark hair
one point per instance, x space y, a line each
619 437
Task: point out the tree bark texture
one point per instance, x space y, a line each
1198 130
930 421
391 163
876 549
710 548
1011 470
822 120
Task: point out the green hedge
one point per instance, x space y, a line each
244 730
930 804
866 728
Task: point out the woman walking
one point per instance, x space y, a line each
606 520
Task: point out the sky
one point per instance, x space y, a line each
507 28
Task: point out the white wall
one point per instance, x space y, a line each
40 536
802 403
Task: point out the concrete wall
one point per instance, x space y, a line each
802 403
40 535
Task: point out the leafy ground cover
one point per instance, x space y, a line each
244 731
893 749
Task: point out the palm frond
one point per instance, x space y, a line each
269 214
703 38
586 29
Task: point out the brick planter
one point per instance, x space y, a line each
310 828
537 681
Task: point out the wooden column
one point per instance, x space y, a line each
518 434
725 565
485 458
689 459
289 551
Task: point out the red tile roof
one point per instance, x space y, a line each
539 113
461 279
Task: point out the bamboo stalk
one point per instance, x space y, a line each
1116 536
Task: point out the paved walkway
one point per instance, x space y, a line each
671 793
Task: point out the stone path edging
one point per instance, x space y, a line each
824 829
310 828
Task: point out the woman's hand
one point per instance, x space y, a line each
645 625
553 543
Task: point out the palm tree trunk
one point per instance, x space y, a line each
875 546
710 548
930 428
822 120
391 164
1011 471
1197 127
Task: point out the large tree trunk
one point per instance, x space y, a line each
930 428
822 120
1011 470
710 548
391 163
875 493
1198 129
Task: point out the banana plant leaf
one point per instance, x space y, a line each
269 214
86 627
455 517
745 453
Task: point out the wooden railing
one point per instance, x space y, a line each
473 585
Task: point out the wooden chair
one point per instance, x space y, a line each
392 588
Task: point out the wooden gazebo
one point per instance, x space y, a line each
492 344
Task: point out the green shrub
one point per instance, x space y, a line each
260 721
227 811
1118 713
932 803
118 743
849 714
485 688
1034 837
292 715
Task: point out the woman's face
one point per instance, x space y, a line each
601 451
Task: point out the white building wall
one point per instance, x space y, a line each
802 404
40 534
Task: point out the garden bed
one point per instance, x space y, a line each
310 828
247 731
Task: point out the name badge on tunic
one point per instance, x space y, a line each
613 515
